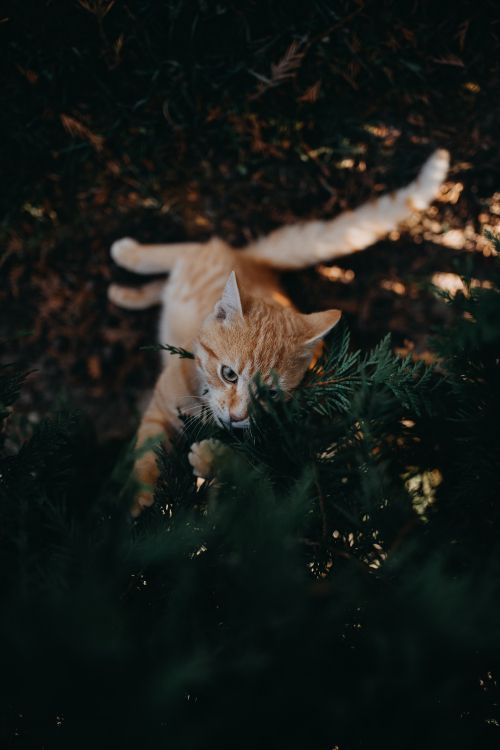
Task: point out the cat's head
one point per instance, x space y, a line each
244 336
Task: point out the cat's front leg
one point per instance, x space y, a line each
159 425
146 474
151 433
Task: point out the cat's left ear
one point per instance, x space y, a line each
320 323
229 305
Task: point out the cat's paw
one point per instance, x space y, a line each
125 253
136 298
118 295
203 455
143 500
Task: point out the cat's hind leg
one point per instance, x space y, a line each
136 298
140 258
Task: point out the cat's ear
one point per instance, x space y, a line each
319 324
229 306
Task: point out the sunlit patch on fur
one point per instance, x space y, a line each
281 299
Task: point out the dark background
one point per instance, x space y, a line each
177 120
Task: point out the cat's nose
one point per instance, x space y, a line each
238 420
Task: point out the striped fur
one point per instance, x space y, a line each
244 322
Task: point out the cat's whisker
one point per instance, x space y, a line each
198 429
193 419
194 409
185 402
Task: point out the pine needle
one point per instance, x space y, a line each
177 350
284 70
78 130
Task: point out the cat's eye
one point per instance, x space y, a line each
273 392
228 374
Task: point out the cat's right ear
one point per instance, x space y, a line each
229 306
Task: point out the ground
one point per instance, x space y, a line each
172 121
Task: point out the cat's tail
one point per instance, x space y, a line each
137 298
301 245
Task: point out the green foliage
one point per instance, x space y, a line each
10 385
471 362
338 375
177 350
297 601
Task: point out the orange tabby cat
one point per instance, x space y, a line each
229 309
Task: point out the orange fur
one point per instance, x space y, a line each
270 336
249 326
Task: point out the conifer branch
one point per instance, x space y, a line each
177 350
